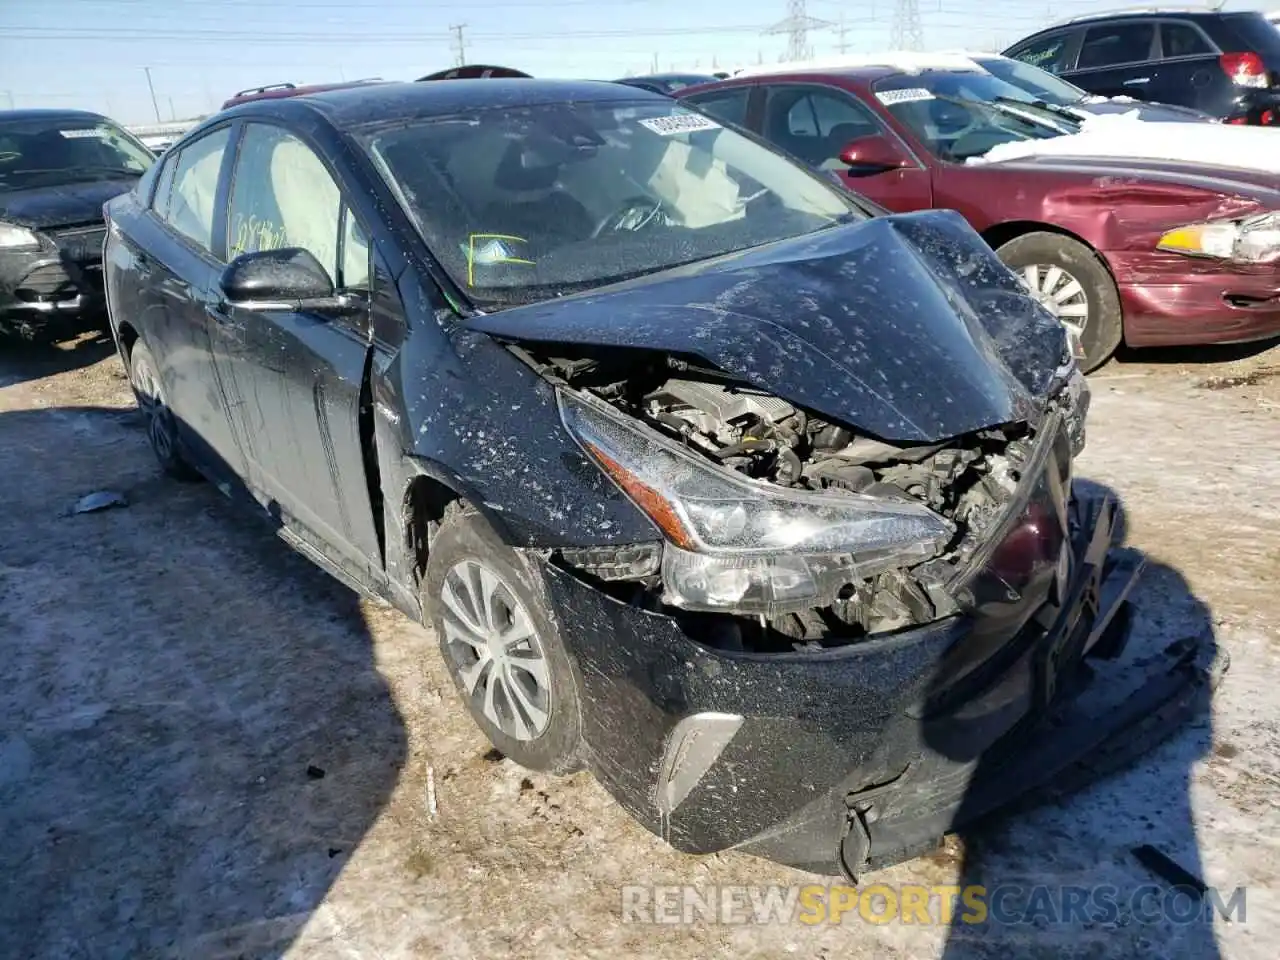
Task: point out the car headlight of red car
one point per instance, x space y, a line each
1252 240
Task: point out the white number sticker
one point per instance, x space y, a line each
681 123
83 133
910 95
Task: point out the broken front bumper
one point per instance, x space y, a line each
839 759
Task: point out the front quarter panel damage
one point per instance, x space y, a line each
486 426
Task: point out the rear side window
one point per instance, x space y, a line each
1115 44
727 106
1047 53
193 187
1183 40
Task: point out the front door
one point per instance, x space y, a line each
181 264
814 123
303 373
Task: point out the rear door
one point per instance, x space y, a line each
177 256
1190 74
303 374
815 122
1118 59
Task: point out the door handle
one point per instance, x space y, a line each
1137 81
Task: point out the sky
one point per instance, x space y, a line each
95 54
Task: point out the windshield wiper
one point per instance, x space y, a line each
1044 105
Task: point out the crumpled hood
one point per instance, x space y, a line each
69 203
905 327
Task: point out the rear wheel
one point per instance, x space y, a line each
501 644
1069 279
162 427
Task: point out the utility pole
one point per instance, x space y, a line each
155 104
907 32
841 32
173 113
797 27
461 42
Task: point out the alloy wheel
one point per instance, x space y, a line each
495 650
1061 293
146 387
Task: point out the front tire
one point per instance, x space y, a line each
501 644
1069 279
162 426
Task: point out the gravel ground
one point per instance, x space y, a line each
210 749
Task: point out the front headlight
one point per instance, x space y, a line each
1253 240
737 544
17 238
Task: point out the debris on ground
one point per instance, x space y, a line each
99 500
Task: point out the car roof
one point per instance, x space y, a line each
388 102
49 114
868 64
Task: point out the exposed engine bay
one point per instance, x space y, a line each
968 480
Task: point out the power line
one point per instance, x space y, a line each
843 46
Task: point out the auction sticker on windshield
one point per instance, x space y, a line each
682 123
83 133
910 95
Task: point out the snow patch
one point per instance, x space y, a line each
1119 136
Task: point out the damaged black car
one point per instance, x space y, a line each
57 169
754 503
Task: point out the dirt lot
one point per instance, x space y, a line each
210 749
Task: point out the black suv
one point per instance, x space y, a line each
1226 64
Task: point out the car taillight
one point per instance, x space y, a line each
1245 69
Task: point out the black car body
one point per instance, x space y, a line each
1224 63
57 169
1056 92
763 505
668 83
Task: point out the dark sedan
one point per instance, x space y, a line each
1053 91
668 83
1154 252
757 506
57 169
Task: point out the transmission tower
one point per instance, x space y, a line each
907 33
461 42
797 27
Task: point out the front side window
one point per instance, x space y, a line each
194 187
1116 44
815 124
282 195
48 153
523 205
957 116
1047 53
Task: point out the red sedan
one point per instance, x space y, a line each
1153 253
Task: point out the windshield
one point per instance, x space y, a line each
522 205
40 153
1039 83
962 115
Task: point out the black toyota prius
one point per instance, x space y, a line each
755 504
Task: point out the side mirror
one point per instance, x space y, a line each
873 154
289 278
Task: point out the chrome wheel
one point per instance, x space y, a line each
1061 293
146 387
494 649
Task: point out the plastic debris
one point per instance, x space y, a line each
99 500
